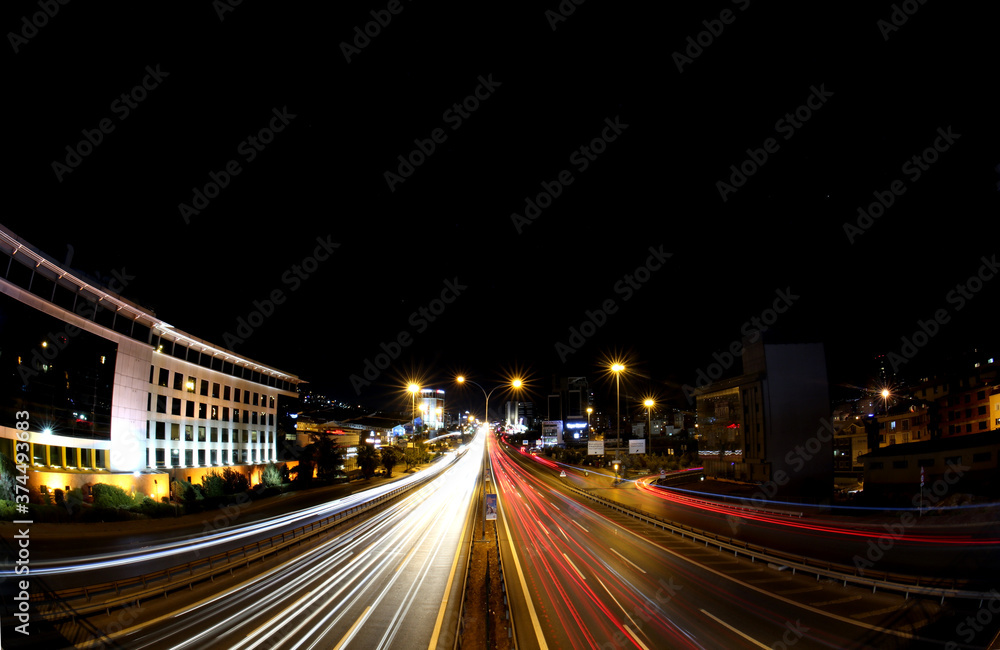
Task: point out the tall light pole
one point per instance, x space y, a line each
649 424
515 384
617 369
589 411
414 389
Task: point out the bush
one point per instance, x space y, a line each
111 497
151 508
213 485
235 482
271 476
8 471
8 510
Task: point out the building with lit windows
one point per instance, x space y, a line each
430 406
113 394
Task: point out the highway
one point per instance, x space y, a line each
594 578
379 584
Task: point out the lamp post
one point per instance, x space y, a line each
617 369
589 411
515 384
414 389
649 424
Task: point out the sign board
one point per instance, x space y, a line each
491 506
595 448
636 446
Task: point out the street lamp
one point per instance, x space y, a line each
515 384
617 368
414 389
649 424
885 400
589 411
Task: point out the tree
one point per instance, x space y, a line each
367 459
8 471
390 456
235 481
324 451
212 485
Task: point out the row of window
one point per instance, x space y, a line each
227 393
983 425
207 411
206 457
158 431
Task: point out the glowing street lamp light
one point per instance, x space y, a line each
885 400
649 423
414 389
618 368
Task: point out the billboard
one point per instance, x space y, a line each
552 432
636 446
595 448
491 506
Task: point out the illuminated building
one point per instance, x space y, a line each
108 387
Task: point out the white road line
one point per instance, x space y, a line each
574 566
627 560
635 638
581 527
350 632
745 636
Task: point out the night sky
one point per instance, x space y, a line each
627 125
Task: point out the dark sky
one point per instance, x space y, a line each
868 100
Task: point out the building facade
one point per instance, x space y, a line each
107 387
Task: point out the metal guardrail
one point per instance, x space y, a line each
900 583
80 601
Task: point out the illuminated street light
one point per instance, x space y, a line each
618 368
414 389
649 423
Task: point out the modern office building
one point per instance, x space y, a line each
111 393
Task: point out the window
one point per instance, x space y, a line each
161 461
981 395
225 456
246 397
190 384
226 393
953 460
161 430
256 396
215 412
204 387
900 464
215 457
982 457
178 381
161 403
981 410
225 413
213 434
246 436
175 406
876 465
225 435
236 415
175 432
164 377
925 462
189 411
189 432
151 369
983 425
188 457
215 391
201 434
236 394
201 457
906 425
202 411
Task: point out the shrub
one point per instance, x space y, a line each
111 497
235 481
8 510
271 476
213 485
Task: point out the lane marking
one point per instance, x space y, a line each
635 638
581 527
350 632
745 636
627 560
574 566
